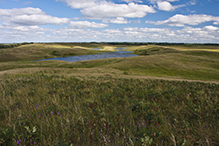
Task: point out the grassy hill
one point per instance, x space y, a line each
168 95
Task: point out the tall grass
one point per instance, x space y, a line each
40 109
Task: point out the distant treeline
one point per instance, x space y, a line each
4 46
139 43
161 44
114 43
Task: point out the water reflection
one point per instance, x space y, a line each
96 48
116 54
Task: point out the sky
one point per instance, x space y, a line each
178 21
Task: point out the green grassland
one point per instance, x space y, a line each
41 51
168 95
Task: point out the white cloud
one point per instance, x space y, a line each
29 16
23 28
181 20
117 20
35 33
107 10
86 24
38 20
187 34
165 6
211 28
27 11
78 4
98 9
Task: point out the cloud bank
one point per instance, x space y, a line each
29 16
182 20
96 9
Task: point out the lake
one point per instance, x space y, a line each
104 55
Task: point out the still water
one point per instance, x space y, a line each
116 54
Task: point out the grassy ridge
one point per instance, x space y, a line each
58 110
41 51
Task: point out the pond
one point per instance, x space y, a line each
104 55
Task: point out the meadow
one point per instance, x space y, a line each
168 95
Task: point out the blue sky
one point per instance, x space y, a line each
188 21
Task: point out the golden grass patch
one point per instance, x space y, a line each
108 48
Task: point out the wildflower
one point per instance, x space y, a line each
34 142
18 142
109 141
91 133
57 113
31 107
51 112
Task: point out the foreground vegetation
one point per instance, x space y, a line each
109 101
41 109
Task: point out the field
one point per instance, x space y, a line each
168 95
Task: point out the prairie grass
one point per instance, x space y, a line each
57 110
179 48
109 101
